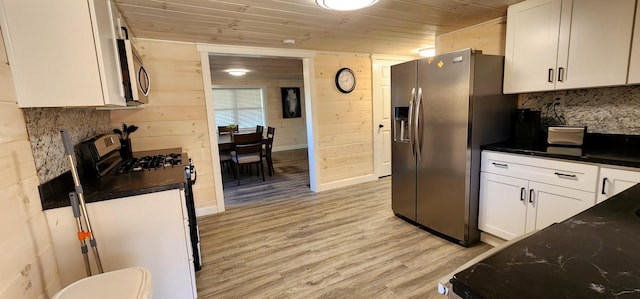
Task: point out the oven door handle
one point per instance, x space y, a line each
194 174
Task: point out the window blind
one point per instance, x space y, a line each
241 106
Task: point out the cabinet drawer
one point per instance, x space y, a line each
566 174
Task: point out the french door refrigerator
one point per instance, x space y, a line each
444 109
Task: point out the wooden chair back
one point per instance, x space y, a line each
226 130
248 143
259 129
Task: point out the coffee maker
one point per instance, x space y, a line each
526 128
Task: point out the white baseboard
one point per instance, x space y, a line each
346 182
206 211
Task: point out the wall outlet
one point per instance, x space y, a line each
558 107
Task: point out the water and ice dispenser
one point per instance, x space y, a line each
401 129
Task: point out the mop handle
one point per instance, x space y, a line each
73 198
68 147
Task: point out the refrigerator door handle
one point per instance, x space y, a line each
417 134
411 103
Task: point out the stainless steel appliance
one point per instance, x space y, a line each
135 79
444 109
99 155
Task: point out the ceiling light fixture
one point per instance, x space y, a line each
237 72
345 5
427 52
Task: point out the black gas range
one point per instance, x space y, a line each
149 163
100 156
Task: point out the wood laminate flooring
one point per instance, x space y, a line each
285 241
291 175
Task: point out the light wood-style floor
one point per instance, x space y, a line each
285 241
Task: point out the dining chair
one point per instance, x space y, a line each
226 130
248 151
268 147
259 129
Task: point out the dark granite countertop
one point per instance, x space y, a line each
55 194
591 255
622 150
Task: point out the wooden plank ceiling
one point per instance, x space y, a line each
397 27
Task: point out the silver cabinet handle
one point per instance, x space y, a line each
550 76
501 165
522 193
564 175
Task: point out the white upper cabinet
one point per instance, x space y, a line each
634 63
566 44
531 48
62 53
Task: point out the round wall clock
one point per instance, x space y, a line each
345 80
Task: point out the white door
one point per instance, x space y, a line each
614 181
503 205
382 114
549 204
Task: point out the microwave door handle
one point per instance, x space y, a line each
144 88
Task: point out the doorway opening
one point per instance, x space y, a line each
278 76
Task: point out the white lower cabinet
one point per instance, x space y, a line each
138 231
510 207
549 204
503 207
613 181
520 194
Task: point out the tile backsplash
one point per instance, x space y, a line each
611 110
44 126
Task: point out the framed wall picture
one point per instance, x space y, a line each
291 102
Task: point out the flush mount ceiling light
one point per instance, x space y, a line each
237 72
427 52
345 5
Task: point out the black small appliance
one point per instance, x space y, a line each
526 128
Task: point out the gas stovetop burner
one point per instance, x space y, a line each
150 163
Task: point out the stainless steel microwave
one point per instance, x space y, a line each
135 79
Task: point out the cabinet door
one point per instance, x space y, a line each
634 62
502 209
531 46
107 52
549 204
614 181
595 50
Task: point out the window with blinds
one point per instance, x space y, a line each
241 106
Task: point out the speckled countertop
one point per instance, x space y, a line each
55 194
622 150
591 255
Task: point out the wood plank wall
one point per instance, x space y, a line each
176 115
345 134
291 133
489 37
29 268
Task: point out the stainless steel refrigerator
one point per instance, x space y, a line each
444 109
